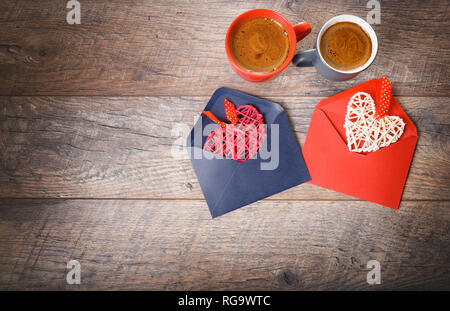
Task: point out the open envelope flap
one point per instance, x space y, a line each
376 176
229 184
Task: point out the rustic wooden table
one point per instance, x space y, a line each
86 171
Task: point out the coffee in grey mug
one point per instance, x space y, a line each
345 46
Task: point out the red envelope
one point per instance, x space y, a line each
378 176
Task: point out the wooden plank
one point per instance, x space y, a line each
95 147
175 245
145 47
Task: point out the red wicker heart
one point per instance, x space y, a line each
240 141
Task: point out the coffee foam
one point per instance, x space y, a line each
260 45
345 46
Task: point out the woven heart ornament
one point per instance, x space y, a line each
365 132
239 140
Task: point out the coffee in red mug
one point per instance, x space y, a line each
261 43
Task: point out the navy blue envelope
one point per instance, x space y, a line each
228 184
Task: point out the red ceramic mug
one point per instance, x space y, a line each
295 33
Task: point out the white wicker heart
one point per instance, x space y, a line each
364 131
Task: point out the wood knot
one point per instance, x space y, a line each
287 278
14 49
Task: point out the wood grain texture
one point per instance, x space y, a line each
174 245
87 170
92 147
173 48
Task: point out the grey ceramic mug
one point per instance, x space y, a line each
314 58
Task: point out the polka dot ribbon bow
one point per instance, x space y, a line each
383 97
230 112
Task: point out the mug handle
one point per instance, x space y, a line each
302 30
305 58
